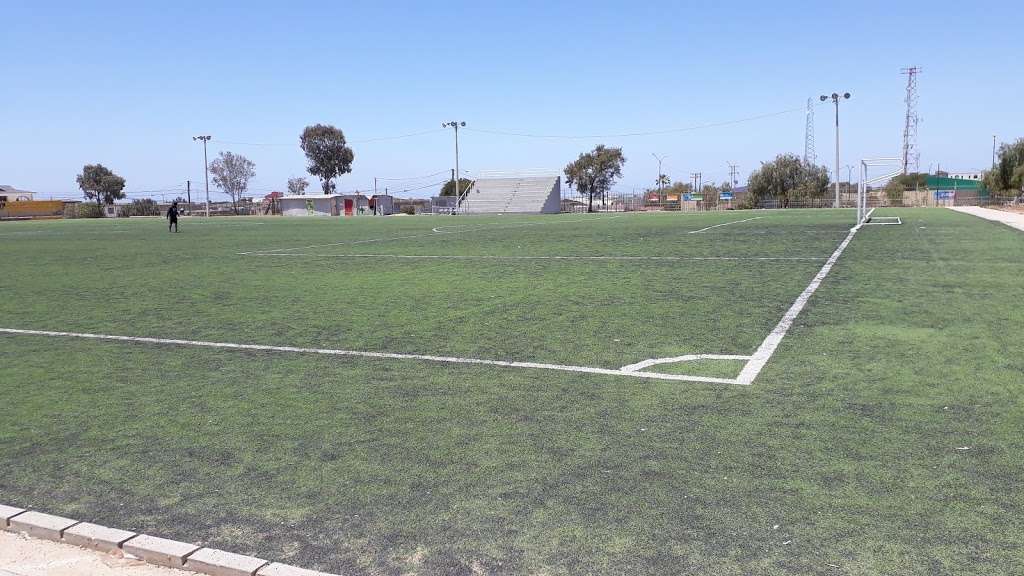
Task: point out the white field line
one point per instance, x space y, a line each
513 257
366 354
435 231
684 358
724 224
767 348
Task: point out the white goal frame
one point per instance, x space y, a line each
863 214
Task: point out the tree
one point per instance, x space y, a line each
787 178
1008 173
329 156
709 192
895 188
663 181
594 172
99 183
449 187
231 173
297 186
141 207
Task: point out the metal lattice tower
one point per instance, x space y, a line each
910 154
809 156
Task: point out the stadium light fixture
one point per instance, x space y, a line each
836 97
206 171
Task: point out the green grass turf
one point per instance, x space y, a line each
713 368
847 442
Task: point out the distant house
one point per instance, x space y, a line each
967 175
382 204
9 193
311 205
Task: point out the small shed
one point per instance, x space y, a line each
382 204
353 204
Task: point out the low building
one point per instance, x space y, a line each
353 204
9 193
382 204
311 205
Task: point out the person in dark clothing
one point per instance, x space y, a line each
172 217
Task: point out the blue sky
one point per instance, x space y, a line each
128 85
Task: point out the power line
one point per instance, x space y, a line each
362 141
425 176
646 133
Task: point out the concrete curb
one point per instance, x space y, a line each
39 525
151 549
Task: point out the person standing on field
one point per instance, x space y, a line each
172 217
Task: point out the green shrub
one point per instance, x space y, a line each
140 207
88 210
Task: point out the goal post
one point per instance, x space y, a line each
868 176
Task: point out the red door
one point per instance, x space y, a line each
348 206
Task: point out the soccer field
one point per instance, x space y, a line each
715 393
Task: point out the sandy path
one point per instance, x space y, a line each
23 556
1012 219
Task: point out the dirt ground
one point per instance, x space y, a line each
23 556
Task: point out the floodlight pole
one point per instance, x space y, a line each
206 170
455 125
836 97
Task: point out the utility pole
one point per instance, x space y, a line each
733 170
188 192
696 176
206 170
456 126
836 97
993 151
659 159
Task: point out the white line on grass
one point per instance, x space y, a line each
366 354
513 257
767 348
724 224
473 228
435 231
684 358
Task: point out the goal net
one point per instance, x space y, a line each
875 171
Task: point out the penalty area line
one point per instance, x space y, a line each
724 224
514 257
368 354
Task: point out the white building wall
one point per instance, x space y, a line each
309 205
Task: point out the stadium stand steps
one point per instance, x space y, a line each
514 195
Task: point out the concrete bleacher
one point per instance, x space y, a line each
525 195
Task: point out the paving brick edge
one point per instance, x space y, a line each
11 513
